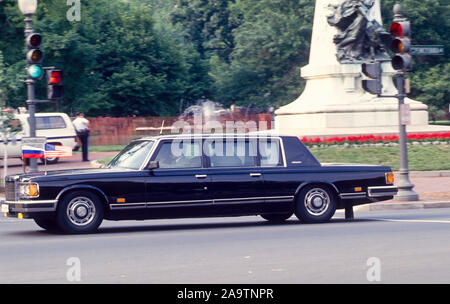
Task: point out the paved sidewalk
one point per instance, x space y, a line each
433 188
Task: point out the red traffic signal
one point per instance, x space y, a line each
55 88
55 77
401 28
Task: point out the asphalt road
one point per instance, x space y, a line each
410 246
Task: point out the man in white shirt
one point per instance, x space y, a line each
81 125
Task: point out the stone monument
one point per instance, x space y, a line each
345 34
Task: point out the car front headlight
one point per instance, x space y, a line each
29 190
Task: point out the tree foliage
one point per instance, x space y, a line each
272 43
209 24
115 61
156 57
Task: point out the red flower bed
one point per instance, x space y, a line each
360 139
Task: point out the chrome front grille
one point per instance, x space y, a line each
10 191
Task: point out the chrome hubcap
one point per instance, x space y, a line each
317 201
81 211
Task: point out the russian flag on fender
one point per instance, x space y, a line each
32 152
57 151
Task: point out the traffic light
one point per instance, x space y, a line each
401 45
55 88
373 71
34 56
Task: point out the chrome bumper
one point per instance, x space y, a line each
25 206
382 191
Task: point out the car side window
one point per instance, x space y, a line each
49 122
177 155
223 153
270 153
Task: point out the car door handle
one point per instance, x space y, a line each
255 174
201 176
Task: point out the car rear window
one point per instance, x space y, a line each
49 122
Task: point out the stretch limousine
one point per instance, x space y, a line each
181 176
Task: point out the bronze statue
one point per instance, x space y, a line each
359 37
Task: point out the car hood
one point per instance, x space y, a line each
67 174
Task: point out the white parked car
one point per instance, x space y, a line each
56 127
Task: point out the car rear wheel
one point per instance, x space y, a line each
276 217
80 212
315 204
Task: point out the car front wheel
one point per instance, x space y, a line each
80 212
47 224
315 204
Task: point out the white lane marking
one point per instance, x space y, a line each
414 221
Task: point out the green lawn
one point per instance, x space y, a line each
440 122
421 158
112 148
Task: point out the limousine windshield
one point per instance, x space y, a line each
132 156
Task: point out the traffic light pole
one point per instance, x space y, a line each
400 29
405 187
31 95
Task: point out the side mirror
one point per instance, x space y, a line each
153 165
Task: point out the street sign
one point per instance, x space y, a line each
405 114
427 50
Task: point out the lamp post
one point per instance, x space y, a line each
28 9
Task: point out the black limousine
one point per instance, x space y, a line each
181 176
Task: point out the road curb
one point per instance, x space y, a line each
403 205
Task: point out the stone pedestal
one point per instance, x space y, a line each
333 97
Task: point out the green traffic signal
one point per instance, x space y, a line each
35 71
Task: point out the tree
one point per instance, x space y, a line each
114 64
10 81
272 43
2 82
431 86
123 65
209 24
